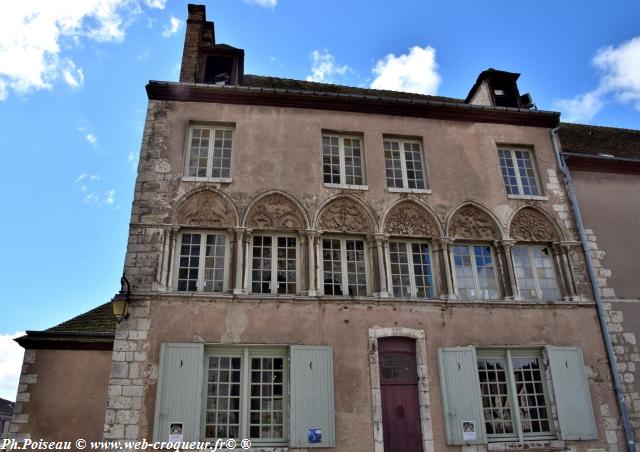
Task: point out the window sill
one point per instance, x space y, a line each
347 186
532 197
426 191
220 180
540 445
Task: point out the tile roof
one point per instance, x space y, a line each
262 81
600 141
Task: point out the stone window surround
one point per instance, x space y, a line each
375 333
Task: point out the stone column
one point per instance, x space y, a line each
173 251
566 266
303 259
438 269
247 261
501 267
318 253
445 246
384 288
237 290
507 245
312 239
561 279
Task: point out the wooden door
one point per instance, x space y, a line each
399 387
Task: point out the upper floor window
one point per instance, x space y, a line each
209 152
518 172
475 272
534 272
201 262
342 160
404 164
345 267
411 269
274 263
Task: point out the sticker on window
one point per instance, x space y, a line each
315 435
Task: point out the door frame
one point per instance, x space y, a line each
423 384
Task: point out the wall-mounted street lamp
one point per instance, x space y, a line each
120 303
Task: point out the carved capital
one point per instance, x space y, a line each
473 224
532 226
410 219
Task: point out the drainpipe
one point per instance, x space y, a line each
604 326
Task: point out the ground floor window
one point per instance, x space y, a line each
246 393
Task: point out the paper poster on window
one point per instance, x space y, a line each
175 432
315 435
469 431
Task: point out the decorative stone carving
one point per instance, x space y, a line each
409 219
275 212
531 225
344 215
472 223
205 209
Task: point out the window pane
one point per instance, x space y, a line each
393 164
422 270
261 264
545 273
531 396
524 273
221 164
508 172
534 272
223 397
189 263
199 152
400 276
332 266
214 263
464 271
353 161
331 160
356 268
413 164
286 265
487 282
266 416
526 172
495 396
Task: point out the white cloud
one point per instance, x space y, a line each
37 35
264 3
88 177
90 199
324 67
10 365
91 138
110 197
172 28
619 80
416 72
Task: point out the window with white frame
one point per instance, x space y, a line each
411 269
535 275
518 172
404 164
274 264
202 262
246 393
475 272
514 394
209 152
344 266
342 160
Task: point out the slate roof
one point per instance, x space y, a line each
6 407
94 328
262 81
600 141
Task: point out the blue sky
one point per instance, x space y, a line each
72 104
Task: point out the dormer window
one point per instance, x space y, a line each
218 70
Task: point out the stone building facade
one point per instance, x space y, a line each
322 266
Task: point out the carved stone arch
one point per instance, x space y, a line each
472 222
530 224
206 208
346 214
409 218
275 210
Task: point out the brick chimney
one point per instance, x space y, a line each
204 61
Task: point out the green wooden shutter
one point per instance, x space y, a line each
311 396
571 392
179 391
461 393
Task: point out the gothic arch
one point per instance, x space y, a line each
531 224
206 207
411 218
472 221
345 213
276 209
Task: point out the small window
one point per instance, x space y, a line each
342 160
514 394
411 269
475 272
209 152
201 262
404 164
535 275
345 267
274 263
518 172
246 394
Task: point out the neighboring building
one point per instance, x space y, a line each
6 412
323 266
605 168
